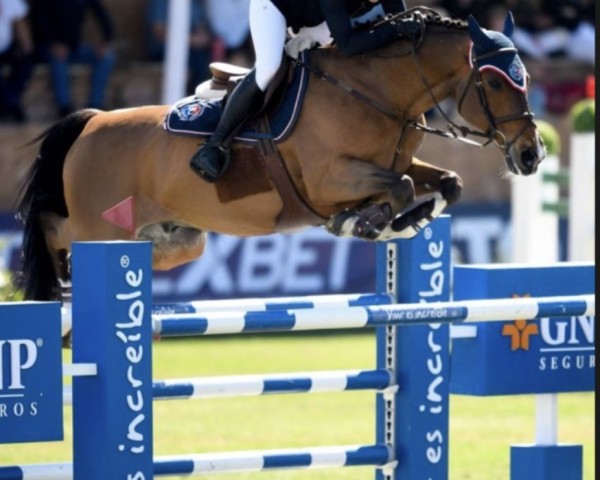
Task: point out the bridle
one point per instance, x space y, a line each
461 132
453 130
494 134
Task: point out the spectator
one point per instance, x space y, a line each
16 49
58 31
577 18
200 42
230 23
463 8
554 28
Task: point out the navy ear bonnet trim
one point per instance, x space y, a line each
508 64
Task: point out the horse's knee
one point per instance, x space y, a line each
451 186
403 191
365 223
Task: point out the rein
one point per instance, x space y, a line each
454 131
351 91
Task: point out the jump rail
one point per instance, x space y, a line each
218 323
243 461
254 385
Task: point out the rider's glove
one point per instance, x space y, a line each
297 44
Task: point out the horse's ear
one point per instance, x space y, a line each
475 32
509 24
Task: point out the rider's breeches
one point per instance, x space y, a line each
268 29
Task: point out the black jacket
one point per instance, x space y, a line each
337 14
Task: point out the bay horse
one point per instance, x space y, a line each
350 156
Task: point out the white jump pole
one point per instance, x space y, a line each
535 231
582 190
535 240
176 54
582 187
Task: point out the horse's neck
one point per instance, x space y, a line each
443 66
397 78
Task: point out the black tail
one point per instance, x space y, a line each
42 191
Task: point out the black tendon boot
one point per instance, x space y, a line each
211 161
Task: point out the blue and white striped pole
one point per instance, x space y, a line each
412 314
247 385
245 461
256 461
268 304
269 384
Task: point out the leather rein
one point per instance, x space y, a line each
454 131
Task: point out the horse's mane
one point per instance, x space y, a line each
428 16
431 17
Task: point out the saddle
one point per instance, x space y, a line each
296 212
224 78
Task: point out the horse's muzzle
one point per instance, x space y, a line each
526 160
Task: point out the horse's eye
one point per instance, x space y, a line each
495 83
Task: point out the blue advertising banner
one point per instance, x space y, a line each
31 407
112 328
525 356
418 355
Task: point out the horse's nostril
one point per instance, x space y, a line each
529 158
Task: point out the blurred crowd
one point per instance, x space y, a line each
51 32
545 28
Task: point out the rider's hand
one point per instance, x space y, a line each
297 44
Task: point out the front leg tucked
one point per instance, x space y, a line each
396 213
414 217
429 178
368 221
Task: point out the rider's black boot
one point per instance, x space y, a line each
211 161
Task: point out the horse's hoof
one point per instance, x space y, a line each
366 224
342 224
411 222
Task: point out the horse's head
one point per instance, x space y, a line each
494 97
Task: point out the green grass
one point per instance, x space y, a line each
481 429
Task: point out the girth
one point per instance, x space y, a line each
295 212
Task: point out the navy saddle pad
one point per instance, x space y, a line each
193 116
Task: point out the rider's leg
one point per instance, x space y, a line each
211 160
268 29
